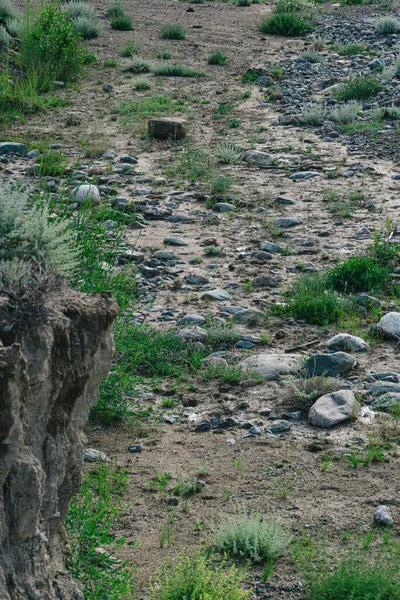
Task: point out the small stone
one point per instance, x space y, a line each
192 320
217 294
224 206
270 247
284 201
287 222
164 255
304 175
129 160
334 408
250 316
279 426
135 448
93 455
85 193
382 516
164 129
270 366
193 333
257 158
173 241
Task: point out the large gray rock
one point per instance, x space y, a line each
86 193
260 159
389 325
329 364
217 294
270 366
334 408
13 148
386 402
382 516
250 316
345 341
165 129
49 383
270 247
193 333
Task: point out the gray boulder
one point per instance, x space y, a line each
389 325
164 129
86 193
217 294
345 341
334 408
329 364
255 157
270 366
249 316
382 516
13 148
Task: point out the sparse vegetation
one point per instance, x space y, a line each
313 114
347 113
172 31
359 88
229 153
287 24
164 70
130 49
387 25
122 23
217 58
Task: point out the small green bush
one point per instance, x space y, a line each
173 31
52 163
250 537
310 299
115 10
312 57
130 49
358 274
122 23
141 83
228 153
290 6
51 47
286 24
164 70
189 577
314 114
347 113
7 10
350 49
139 65
4 39
387 25
76 8
164 54
15 27
217 58
88 28
360 88
244 2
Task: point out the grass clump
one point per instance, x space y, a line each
358 274
5 39
145 108
387 25
115 10
122 23
76 9
314 114
173 31
88 28
175 71
164 54
129 49
191 577
89 522
217 58
347 113
141 83
7 10
360 88
310 299
350 49
52 163
250 537
228 153
312 57
385 113
286 24
139 65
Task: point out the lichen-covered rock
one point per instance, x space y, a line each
51 366
165 129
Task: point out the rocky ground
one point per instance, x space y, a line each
301 197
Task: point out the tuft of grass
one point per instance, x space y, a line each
313 114
7 10
347 113
175 71
250 537
228 153
139 65
358 274
173 31
350 49
88 27
141 83
164 54
244 2
76 8
312 57
213 250
359 88
89 522
310 299
285 24
290 6
189 577
385 113
122 23
221 184
217 58
387 25
52 163
5 39
130 49
145 108
109 63
115 10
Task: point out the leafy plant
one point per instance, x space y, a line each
138 65
347 113
312 57
217 58
358 274
250 537
172 31
52 163
141 83
7 10
352 48
286 24
76 8
4 39
310 298
88 27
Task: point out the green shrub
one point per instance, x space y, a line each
347 113
30 235
15 27
387 25
220 185
357 578
139 65
146 108
360 88
4 39
250 537
312 57
228 153
141 83
90 520
385 113
115 10
76 8
217 58
286 24
310 299
122 23
350 49
7 10
173 31
175 71
244 2
51 47
52 163
130 49
358 274
189 577
164 54
88 28
313 114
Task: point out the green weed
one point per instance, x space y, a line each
172 31
286 24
